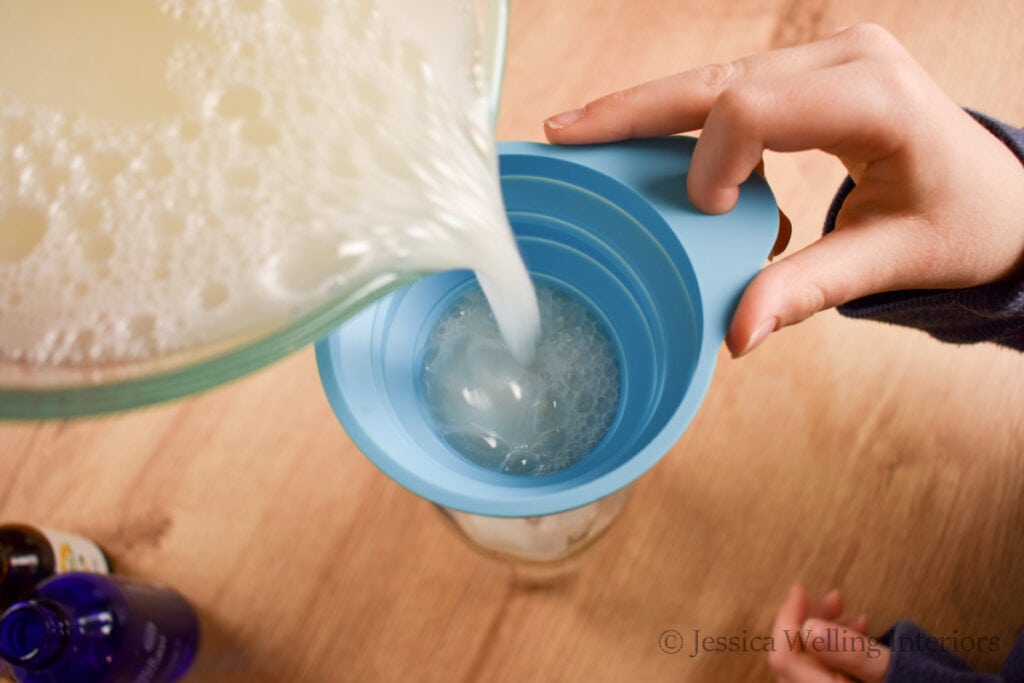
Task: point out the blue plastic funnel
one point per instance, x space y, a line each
610 223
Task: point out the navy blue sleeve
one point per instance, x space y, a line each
919 657
987 313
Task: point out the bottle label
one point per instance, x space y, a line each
73 553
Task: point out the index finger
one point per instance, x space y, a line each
787 658
790 617
681 102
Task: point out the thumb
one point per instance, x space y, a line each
847 651
843 265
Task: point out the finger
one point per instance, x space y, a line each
859 624
829 606
786 626
792 613
681 102
841 266
787 659
811 110
854 654
664 106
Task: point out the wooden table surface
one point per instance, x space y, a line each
842 454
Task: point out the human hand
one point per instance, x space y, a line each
810 647
939 201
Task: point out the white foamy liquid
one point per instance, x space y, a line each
180 172
521 419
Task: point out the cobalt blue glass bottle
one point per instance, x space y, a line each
90 628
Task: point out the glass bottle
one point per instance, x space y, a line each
90 628
28 555
541 549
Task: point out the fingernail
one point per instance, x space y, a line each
760 334
566 118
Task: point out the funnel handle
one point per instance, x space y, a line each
726 250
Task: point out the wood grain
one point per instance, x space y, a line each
842 454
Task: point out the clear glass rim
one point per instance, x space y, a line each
165 379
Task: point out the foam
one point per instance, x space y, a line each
228 166
521 419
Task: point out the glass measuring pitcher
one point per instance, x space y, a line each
30 389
